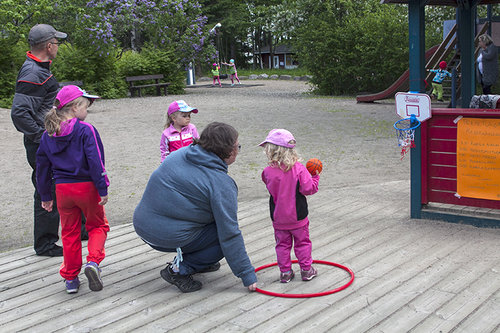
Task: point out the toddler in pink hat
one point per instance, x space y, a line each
71 155
288 183
178 132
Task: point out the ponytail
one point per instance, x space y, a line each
56 116
53 121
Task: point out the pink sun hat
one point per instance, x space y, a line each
280 137
70 93
181 106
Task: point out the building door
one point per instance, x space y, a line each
276 61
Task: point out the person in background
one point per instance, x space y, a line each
487 63
215 74
437 81
232 71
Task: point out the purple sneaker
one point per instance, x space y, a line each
308 275
93 274
72 285
287 276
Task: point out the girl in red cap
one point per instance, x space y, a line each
437 82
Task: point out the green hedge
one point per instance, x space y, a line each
101 74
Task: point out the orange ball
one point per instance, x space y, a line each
314 165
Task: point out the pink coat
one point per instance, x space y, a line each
171 139
288 203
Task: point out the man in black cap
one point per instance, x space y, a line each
36 89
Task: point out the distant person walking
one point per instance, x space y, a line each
487 63
36 89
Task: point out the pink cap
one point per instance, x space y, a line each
70 93
181 106
280 137
214 64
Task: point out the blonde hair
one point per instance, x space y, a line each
55 116
486 39
281 157
170 120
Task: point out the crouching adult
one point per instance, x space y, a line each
190 207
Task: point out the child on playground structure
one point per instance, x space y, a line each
71 153
288 182
179 132
232 71
215 74
437 81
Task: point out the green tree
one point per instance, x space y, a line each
16 19
351 47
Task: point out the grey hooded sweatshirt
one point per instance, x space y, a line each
188 191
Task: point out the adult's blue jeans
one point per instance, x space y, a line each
202 252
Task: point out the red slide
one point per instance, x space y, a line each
400 84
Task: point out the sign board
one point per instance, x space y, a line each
413 103
478 158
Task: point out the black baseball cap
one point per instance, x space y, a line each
43 32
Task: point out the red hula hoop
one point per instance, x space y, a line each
324 293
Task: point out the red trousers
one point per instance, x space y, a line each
73 199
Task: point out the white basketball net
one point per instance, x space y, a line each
406 140
405 133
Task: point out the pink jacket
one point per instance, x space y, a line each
288 204
172 140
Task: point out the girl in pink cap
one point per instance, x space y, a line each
288 182
215 74
71 154
179 132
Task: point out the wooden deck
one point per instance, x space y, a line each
411 275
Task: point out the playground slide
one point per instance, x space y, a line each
401 84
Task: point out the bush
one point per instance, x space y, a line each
347 47
11 60
98 73
152 60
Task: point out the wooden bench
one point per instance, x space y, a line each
156 77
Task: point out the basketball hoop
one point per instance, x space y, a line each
405 132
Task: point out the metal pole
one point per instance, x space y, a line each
416 18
